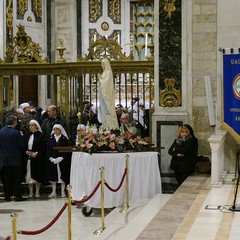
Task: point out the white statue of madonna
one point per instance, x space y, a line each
107 96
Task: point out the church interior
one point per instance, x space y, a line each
166 55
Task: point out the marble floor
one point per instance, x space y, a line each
194 212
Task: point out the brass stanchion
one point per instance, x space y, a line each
14 225
100 230
127 187
69 189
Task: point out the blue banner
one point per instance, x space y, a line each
231 93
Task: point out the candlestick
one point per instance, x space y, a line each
146 45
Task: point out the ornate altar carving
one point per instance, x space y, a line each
23 49
105 48
170 96
169 7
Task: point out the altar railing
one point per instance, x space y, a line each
70 84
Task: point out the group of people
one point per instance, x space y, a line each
28 152
29 142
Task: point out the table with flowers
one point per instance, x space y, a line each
144 176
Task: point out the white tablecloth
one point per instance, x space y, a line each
144 177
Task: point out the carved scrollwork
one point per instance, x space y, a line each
105 48
37 8
9 18
95 10
64 96
115 11
22 6
23 49
170 96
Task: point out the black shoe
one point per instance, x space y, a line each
7 199
20 199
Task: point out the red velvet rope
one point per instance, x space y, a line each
8 238
116 189
89 196
47 227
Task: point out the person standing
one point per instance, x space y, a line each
127 125
107 96
35 154
27 116
53 118
184 150
11 145
59 163
79 132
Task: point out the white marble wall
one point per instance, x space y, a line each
64 25
206 26
124 26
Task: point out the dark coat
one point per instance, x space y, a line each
188 148
11 145
48 124
64 165
37 163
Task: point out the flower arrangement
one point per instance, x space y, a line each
101 140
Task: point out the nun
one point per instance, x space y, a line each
59 162
35 155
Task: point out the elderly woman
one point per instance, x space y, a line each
35 154
80 131
59 162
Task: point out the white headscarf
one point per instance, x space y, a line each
81 126
63 132
19 110
24 105
107 65
37 124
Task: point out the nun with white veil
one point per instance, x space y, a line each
35 155
59 162
107 96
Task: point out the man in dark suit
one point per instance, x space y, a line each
11 144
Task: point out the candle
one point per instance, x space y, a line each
106 36
94 37
146 45
119 38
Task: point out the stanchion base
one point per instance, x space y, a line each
235 208
123 209
99 231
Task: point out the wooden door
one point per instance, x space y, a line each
28 89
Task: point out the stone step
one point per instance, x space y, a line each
128 225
